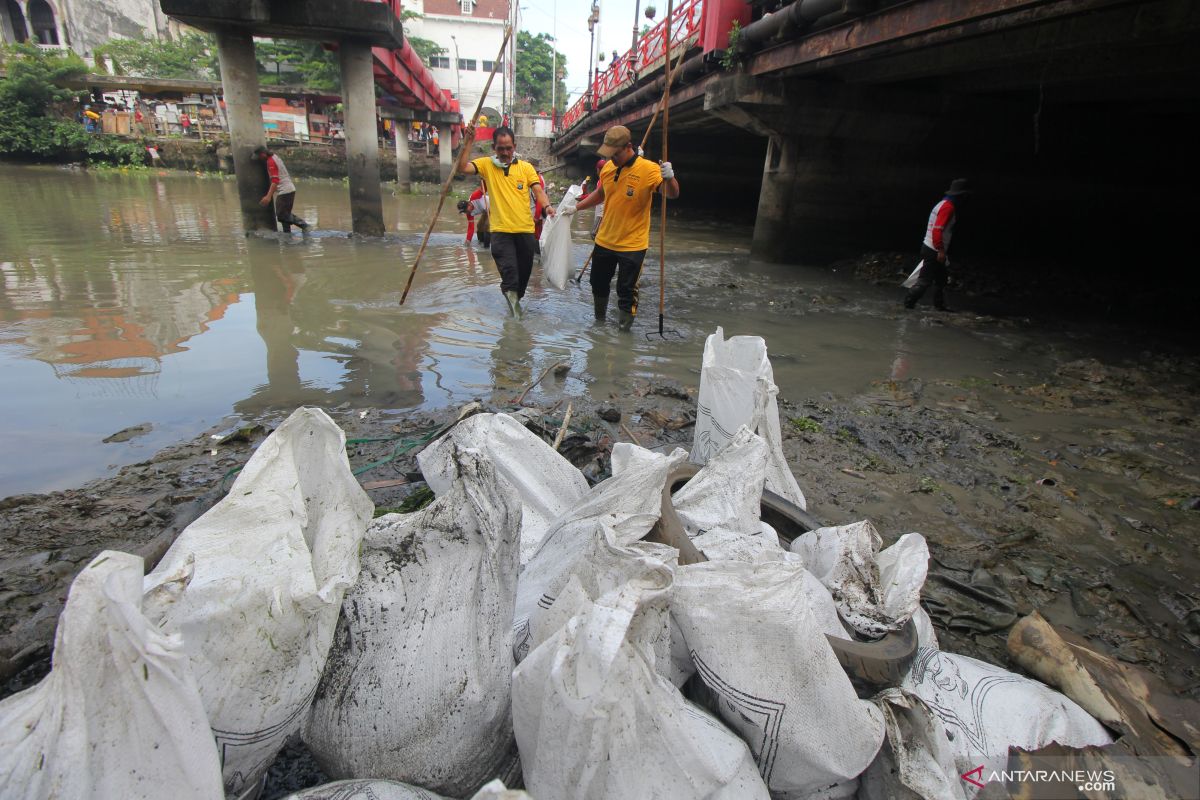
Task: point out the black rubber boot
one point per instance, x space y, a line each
514 303
601 306
625 320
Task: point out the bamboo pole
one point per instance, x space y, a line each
468 143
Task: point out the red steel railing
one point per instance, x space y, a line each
645 57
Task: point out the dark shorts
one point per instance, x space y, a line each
513 253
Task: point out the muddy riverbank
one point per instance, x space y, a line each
1099 533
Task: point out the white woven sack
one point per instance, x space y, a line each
119 715
418 684
627 505
556 242
877 591
548 485
255 587
737 387
987 710
594 720
365 789
763 659
917 760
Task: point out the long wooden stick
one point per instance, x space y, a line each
670 76
468 143
563 430
662 233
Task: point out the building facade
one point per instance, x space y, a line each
470 32
81 25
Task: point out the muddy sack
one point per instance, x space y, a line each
876 592
719 507
255 587
627 505
548 485
913 276
764 667
986 710
595 721
556 242
737 388
917 760
417 688
119 715
394 790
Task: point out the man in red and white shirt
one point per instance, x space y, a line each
938 232
282 190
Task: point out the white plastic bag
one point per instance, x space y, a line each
594 720
366 789
987 710
417 688
763 659
119 715
737 388
719 507
549 485
911 280
255 587
556 242
876 592
627 505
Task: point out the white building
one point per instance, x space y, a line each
471 32
82 25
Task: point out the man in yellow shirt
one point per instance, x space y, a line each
626 187
509 184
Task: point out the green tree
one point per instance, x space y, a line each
535 61
193 55
425 48
35 110
297 61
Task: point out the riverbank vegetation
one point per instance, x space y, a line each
37 114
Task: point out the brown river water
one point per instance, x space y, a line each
131 298
1054 461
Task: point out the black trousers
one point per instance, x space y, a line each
283 210
934 274
513 253
628 268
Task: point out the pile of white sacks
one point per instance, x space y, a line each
520 627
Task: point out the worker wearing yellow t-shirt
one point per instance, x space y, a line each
509 183
626 187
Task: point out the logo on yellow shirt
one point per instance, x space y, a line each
520 185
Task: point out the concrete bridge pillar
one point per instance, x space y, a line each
445 156
239 81
403 167
362 141
839 168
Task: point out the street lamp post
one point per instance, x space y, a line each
457 78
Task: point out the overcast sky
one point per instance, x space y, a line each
614 33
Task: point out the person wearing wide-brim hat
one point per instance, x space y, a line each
934 249
627 186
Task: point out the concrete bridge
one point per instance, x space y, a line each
835 124
371 49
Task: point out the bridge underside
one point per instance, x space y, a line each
1076 121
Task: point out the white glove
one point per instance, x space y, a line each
566 212
641 152
668 172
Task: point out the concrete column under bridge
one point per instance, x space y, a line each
840 173
239 81
362 147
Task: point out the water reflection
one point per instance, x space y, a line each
137 298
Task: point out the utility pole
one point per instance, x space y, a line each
554 67
593 21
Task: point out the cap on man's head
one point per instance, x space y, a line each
615 139
958 186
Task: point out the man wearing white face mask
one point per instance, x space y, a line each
510 182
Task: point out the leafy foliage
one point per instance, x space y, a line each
307 63
534 66
425 48
731 58
34 111
193 56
